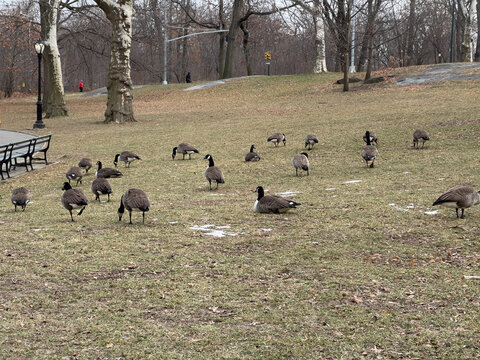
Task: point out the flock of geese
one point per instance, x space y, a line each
458 197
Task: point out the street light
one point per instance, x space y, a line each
39 47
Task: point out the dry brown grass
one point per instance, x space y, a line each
346 275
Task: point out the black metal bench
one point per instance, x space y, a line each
5 158
42 145
23 150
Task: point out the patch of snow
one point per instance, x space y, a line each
397 207
217 232
432 212
287 193
330 189
217 194
406 172
266 230
173 222
352 181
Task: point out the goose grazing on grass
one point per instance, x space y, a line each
213 173
184 149
300 161
21 197
459 197
252 155
272 203
373 138
310 141
420 135
101 186
369 152
85 163
73 199
106 172
133 200
127 157
74 173
276 138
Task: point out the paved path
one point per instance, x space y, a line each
11 136
217 82
442 72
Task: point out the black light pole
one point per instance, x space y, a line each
452 31
39 47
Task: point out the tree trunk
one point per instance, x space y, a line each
368 74
221 47
54 101
119 85
411 33
477 51
246 51
319 28
232 34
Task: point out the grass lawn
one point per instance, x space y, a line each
358 270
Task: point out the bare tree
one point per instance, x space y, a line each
119 84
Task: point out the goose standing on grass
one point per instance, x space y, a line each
101 186
133 200
459 197
106 172
21 197
276 138
272 203
213 173
373 138
369 152
252 155
300 161
420 135
73 199
74 173
127 157
85 163
184 149
310 141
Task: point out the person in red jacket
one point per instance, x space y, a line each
80 86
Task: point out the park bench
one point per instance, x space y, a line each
23 150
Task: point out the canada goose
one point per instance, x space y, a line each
310 141
127 157
276 138
213 173
20 197
373 138
420 135
369 152
272 203
106 172
459 197
74 173
184 149
300 161
252 155
133 200
73 199
101 186
85 163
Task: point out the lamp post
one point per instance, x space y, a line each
39 47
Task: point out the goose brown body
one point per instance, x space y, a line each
127 157
310 141
300 161
73 199
133 200
74 173
369 152
107 172
213 173
20 197
276 138
272 203
85 163
101 186
420 135
459 197
184 149
252 155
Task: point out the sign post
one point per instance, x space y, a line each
268 57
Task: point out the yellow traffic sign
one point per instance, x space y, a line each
268 56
